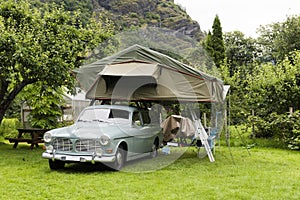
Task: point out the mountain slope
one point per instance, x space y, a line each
128 14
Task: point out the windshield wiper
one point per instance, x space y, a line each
80 120
99 120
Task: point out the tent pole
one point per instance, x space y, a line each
228 130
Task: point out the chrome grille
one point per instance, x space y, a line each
60 144
88 145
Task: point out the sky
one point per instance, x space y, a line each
242 15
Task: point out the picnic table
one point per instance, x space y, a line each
35 137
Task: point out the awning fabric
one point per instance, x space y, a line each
138 73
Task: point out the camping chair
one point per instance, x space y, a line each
212 136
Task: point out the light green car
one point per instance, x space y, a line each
111 134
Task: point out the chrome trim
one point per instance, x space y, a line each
87 145
62 144
76 145
75 158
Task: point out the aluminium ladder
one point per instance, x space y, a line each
201 133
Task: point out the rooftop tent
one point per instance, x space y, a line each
138 73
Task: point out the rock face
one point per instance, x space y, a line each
154 13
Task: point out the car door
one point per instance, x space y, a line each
145 132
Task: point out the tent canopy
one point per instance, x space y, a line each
138 73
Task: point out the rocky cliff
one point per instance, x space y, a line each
128 14
144 13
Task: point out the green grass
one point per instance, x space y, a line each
261 173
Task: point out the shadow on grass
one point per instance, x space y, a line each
85 168
5 145
178 155
141 165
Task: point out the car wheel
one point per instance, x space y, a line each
154 149
120 159
56 164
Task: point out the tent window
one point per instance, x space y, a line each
111 80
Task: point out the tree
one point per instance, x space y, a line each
272 89
208 44
217 42
241 52
279 39
46 108
85 7
41 46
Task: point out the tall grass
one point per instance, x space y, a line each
260 173
242 136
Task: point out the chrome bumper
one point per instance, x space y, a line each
78 158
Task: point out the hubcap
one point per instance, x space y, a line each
119 158
154 152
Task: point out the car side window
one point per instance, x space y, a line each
115 113
136 118
145 116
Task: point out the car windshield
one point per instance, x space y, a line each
105 115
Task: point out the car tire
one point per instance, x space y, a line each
154 150
56 164
119 162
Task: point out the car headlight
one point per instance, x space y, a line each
104 140
47 137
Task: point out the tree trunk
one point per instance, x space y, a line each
4 105
8 99
2 112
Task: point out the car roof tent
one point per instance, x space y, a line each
138 73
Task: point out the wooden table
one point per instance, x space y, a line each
36 137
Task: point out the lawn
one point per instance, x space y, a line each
261 173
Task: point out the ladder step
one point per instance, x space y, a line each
202 135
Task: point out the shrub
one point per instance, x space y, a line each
286 127
240 135
8 127
134 15
283 127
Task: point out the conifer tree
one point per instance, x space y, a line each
214 43
208 45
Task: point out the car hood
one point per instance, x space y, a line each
90 130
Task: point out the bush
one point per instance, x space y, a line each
286 127
280 127
240 135
8 127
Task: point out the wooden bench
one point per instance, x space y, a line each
36 137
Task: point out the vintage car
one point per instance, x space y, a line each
111 134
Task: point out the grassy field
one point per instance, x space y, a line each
261 173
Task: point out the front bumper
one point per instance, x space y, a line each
78 158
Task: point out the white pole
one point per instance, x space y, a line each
204 119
